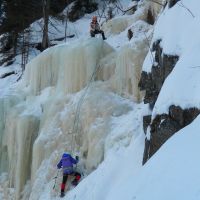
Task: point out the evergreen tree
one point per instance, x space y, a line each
81 7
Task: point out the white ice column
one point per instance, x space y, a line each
6 104
21 131
128 70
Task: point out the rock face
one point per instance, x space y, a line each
172 3
152 82
163 126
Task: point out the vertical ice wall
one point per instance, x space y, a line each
128 70
21 131
6 104
66 67
32 138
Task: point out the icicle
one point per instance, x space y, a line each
128 70
67 67
6 104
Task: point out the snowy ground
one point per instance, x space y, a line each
172 173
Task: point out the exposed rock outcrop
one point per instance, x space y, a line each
152 82
162 127
172 3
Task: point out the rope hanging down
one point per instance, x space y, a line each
76 130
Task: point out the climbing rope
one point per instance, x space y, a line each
76 130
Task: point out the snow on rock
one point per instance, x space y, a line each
185 93
178 29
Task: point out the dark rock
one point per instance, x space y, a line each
176 114
146 151
165 125
155 45
161 68
146 122
162 128
150 17
129 34
172 3
189 115
169 63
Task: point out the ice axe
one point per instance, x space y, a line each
55 179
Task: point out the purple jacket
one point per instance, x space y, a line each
66 163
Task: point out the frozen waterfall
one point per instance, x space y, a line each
37 127
66 67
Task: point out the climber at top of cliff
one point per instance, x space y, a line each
66 163
95 28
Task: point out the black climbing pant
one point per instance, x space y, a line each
93 33
75 181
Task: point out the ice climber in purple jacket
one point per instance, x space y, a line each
66 163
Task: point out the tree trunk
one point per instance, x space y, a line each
45 39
